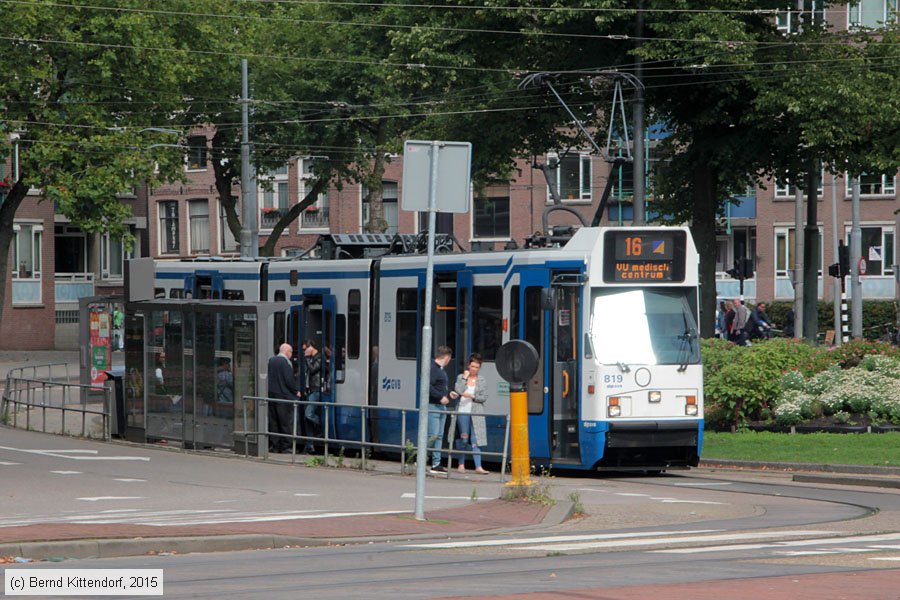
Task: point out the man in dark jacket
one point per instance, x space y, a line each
282 385
312 358
439 396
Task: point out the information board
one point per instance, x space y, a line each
641 256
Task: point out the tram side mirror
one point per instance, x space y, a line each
548 299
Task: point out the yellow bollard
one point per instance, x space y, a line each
518 423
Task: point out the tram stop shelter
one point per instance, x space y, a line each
189 364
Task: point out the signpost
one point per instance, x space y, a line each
445 189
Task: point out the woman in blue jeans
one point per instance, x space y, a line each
472 391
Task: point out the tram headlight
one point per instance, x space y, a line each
690 406
655 396
615 407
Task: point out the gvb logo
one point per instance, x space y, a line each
390 384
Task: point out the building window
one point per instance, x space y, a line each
573 176
274 195
315 216
227 242
791 21
784 189
491 215
785 255
168 227
871 13
27 257
112 257
196 155
198 212
390 206
877 249
873 185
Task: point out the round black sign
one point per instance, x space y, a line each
516 361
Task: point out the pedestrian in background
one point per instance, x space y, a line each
313 391
472 390
439 396
283 386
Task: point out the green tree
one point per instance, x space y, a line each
81 88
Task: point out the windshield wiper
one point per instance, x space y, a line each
687 344
623 367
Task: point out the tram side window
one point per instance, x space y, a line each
488 320
234 295
514 312
176 293
406 334
278 331
340 347
354 321
159 293
279 296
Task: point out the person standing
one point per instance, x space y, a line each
312 360
472 390
282 386
439 396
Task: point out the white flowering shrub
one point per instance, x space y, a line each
881 364
789 410
794 381
822 381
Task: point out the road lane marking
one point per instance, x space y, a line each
409 495
785 544
8 464
306 495
554 538
670 540
98 498
633 495
674 501
74 454
885 558
701 484
67 472
124 480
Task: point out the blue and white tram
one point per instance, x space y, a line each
613 314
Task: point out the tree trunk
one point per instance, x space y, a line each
7 219
225 177
377 222
704 190
811 257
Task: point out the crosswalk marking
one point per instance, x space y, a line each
67 472
552 538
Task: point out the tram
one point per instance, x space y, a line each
612 312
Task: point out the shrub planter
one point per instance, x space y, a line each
831 428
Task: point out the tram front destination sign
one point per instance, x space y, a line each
636 257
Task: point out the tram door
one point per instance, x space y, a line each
565 290
315 319
452 317
549 322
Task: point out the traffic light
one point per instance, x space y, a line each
843 259
834 270
743 269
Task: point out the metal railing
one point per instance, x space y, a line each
35 372
298 410
28 400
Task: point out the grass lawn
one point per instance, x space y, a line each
822 448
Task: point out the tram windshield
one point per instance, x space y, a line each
647 326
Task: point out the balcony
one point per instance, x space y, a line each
69 287
317 218
268 217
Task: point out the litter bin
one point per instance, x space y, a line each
116 381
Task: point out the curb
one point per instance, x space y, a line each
843 480
117 547
786 466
